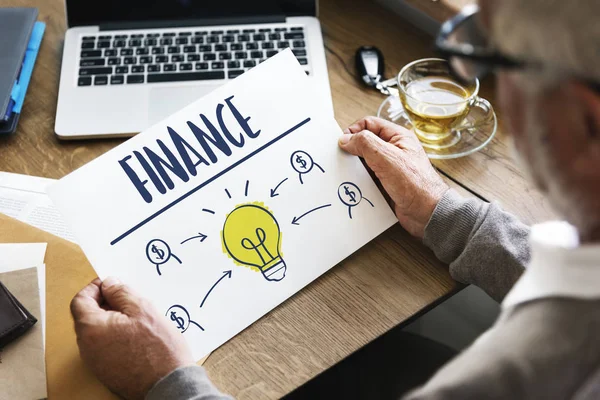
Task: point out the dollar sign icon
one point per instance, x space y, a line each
159 252
301 161
177 320
351 194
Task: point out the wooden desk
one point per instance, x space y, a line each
378 287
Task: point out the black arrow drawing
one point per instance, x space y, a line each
274 191
296 219
201 237
225 274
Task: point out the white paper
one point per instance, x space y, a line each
15 256
24 197
194 279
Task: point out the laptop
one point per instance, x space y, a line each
128 64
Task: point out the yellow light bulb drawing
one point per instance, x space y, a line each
251 237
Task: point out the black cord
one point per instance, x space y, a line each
336 55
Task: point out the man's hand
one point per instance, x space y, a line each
398 160
124 340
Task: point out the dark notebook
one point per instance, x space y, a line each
15 29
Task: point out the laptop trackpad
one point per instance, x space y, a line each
165 101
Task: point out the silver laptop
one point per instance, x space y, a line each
128 64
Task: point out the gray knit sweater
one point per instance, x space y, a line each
544 349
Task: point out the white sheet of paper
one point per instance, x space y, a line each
177 248
15 256
24 197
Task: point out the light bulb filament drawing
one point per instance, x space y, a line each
265 257
252 238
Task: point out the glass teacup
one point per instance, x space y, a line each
435 102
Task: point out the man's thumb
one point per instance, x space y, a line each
360 144
119 296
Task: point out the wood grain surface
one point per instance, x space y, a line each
373 290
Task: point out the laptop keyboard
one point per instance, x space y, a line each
170 56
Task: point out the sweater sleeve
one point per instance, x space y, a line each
483 245
186 383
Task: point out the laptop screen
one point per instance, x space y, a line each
100 12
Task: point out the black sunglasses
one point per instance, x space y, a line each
462 41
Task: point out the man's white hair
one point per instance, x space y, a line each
561 33
564 35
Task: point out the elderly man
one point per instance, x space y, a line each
545 343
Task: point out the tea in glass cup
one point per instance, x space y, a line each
434 101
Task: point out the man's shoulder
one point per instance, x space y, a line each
565 312
554 327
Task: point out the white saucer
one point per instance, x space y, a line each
473 134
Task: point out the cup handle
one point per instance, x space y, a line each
481 113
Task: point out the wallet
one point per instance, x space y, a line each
15 320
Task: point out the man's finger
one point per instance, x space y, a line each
88 301
386 130
120 297
364 144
